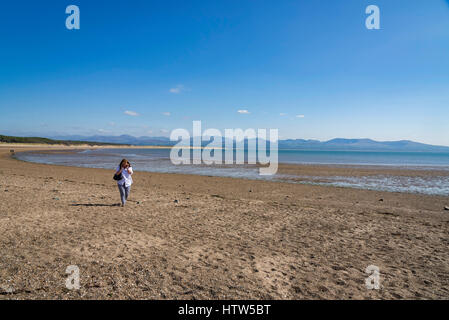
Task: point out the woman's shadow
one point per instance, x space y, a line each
94 205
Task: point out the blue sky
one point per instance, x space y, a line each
147 67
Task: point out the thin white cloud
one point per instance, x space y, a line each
243 111
131 113
102 131
164 131
168 114
178 89
282 114
300 116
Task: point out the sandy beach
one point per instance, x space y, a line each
199 237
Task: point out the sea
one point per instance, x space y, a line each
158 160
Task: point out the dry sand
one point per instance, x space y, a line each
197 237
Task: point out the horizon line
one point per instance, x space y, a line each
61 137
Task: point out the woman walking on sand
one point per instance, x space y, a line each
124 180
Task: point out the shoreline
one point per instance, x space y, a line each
336 175
380 168
322 169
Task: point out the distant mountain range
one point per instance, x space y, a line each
38 140
298 144
123 139
361 145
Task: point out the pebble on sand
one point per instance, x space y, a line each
446 208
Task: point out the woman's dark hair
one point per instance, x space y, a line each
123 162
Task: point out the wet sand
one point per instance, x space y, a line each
199 237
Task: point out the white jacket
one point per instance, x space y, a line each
127 179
